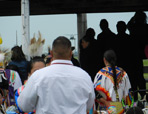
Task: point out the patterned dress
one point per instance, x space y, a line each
14 82
104 83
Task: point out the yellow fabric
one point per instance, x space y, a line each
1 64
1 41
118 106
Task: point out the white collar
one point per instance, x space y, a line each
60 61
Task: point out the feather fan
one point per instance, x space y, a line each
36 46
5 57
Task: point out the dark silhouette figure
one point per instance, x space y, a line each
123 47
88 53
105 40
106 36
90 32
138 29
18 59
135 110
74 60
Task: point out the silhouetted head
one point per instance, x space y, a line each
103 24
121 27
140 17
90 32
85 42
61 48
17 54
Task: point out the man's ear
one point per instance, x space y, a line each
71 54
51 52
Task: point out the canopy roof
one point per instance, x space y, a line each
43 7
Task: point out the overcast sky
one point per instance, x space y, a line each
52 26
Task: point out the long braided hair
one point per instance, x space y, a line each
110 56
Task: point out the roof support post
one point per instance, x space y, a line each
81 27
25 12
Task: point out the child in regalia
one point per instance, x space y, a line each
111 84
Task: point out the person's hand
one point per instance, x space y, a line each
95 112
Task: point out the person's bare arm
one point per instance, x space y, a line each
106 103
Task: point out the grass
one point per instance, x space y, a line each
146 77
145 63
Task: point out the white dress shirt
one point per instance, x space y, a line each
60 88
17 82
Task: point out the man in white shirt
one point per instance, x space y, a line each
60 88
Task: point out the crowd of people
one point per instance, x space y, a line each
129 48
109 68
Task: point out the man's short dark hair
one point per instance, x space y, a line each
61 46
62 42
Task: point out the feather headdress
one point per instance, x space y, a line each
5 57
1 41
36 46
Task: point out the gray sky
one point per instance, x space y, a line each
52 26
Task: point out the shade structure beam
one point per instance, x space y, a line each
25 12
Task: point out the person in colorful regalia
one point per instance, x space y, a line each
109 82
10 79
35 64
14 83
2 108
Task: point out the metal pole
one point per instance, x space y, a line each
81 27
25 12
16 38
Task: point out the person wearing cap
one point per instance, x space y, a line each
74 60
48 59
60 88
